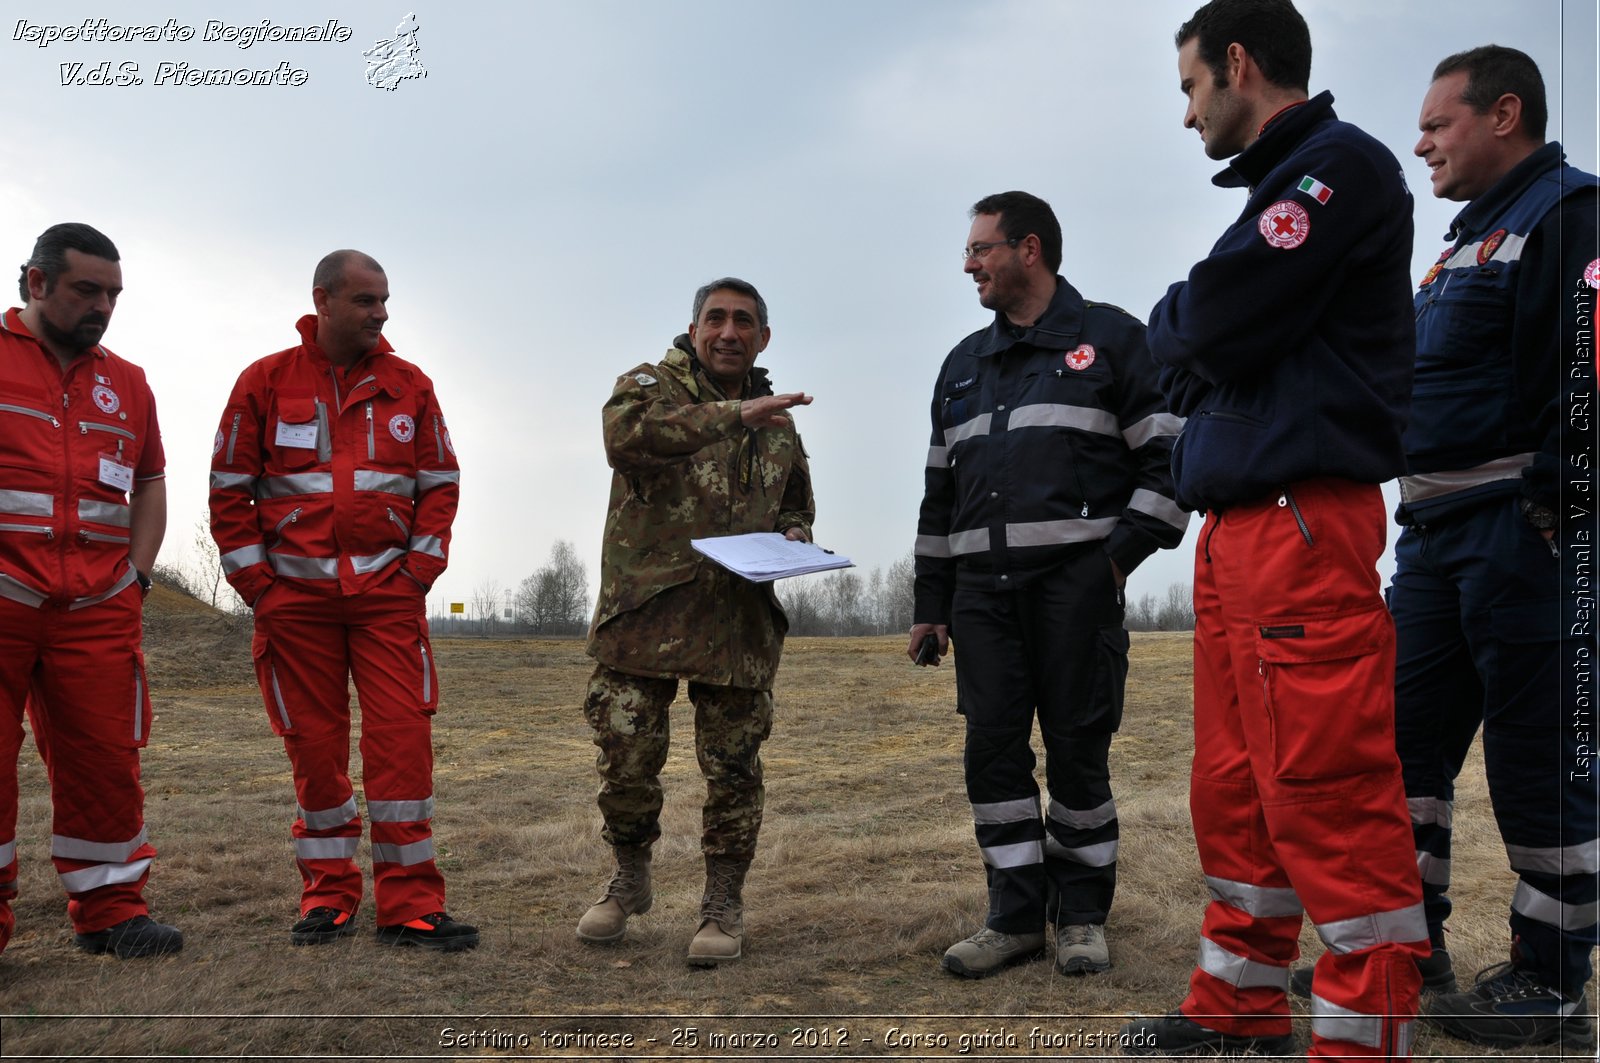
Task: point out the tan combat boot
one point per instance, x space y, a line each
628 893
721 934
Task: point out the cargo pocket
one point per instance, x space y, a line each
1103 714
267 678
430 675
1526 635
142 714
1328 687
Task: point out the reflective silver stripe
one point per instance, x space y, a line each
300 483
431 545
122 584
1160 507
400 811
1153 427
1019 855
244 557
1580 859
390 483
1335 1023
304 567
978 426
938 457
27 503
1435 870
17 591
1051 532
932 546
1020 810
404 855
373 562
104 852
1263 902
326 848
427 672
1552 912
8 853
1085 819
1426 810
1058 415
103 512
969 542
1103 854
1380 928
329 818
92 878
1428 485
428 479
1240 971
233 481
1510 250
138 706
283 710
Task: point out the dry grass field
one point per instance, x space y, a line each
867 872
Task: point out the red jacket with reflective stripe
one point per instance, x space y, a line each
71 442
331 477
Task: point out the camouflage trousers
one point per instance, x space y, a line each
629 714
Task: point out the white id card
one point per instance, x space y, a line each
114 473
303 436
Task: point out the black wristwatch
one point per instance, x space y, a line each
1541 517
144 581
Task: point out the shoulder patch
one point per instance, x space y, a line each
1591 274
1315 189
644 379
1284 225
1490 245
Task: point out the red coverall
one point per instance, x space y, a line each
72 444
332 495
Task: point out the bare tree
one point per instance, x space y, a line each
1142 615
555 599
899 595
485 603
1177 612
802 603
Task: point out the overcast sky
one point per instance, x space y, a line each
547 199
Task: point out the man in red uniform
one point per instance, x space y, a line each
83 508
333 487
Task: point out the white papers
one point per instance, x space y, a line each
763 556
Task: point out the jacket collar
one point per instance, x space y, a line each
307 327
11 321
1505 191
685 368
1059 325
1282 134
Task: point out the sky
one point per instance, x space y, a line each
547 198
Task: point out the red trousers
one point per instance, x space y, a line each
307 648
90 710
1296 793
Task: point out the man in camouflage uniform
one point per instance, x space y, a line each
700 447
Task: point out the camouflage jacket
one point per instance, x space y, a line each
686 467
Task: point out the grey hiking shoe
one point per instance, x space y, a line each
1509 1008
989 951
1081 949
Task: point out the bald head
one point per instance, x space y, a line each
331 270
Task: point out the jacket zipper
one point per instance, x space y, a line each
371 449
100 537
1287 499
85 427
40 414
324 443
427 672
397 521
233 434
294 515
138 706
438 438
31 529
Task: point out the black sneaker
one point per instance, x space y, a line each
133 939
1175 1034
435 931
1438 976
321 925
1509 1008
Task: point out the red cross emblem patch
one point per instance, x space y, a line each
1081 357
1591 274
402 427
1285 224
106 399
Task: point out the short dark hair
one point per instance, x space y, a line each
1024 214
1272 31
1493 71
50 252
330 271
732 284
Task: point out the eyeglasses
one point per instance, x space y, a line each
979 250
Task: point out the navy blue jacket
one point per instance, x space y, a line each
1501 317
1289 348
1046 439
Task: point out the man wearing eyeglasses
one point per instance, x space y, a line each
1047 482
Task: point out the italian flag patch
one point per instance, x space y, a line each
1315 189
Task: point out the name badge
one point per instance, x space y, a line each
114 473
303 436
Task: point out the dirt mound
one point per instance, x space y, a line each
190 645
